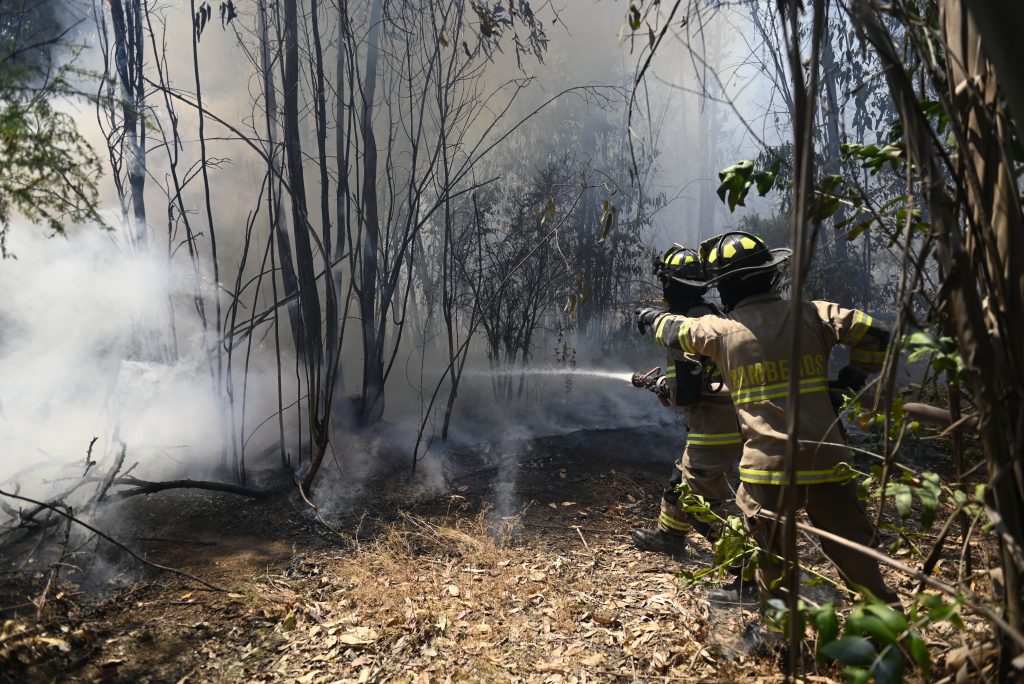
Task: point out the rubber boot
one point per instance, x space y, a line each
659 541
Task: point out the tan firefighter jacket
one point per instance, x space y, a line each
752 346
713 439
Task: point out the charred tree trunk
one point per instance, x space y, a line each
278 219
372 400
309 300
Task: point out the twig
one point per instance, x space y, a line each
936 551
582 539
144 487
89 463
54 572
316 511
109 479
103 535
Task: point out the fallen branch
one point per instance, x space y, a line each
145 487
56 509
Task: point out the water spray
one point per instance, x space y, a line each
586 372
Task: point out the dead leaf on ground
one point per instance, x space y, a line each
360 636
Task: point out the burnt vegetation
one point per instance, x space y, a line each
372 265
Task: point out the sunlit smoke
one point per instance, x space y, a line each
89 348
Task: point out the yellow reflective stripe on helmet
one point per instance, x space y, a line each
861 323
778 390
867 356
840 473
673 524
713 439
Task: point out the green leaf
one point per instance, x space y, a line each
888 669
634 17
609 217
851 650
855 675
856 231
860 622
903 496
826 623
892 618
919 652
765 182
943 612
929 506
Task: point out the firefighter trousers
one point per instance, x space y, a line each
832 507
712 484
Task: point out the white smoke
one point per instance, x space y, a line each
88 349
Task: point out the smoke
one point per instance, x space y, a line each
98 342
89 348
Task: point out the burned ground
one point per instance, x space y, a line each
415 587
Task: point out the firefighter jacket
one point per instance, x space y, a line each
713 439
752 346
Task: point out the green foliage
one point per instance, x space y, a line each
941 352
876 642
873 157
731 544
738 179
495 20
48 171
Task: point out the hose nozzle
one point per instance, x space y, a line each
646 380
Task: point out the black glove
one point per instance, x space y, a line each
645 318
849 378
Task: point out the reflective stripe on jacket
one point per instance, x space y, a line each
751 346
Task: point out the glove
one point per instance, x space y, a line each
849 378
645 318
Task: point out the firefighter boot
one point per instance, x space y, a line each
660 542
670 536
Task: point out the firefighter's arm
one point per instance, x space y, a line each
691 335
867 338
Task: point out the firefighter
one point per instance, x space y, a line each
712 432
751 346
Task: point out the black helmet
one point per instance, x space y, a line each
682 265
737 253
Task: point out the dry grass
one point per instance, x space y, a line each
438 601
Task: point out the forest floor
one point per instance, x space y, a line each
417 587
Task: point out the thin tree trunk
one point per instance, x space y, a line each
373 364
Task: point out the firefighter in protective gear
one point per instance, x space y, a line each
751 346
713 440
